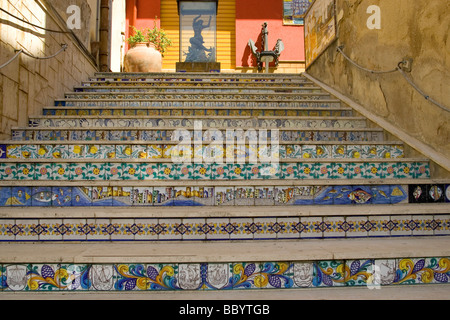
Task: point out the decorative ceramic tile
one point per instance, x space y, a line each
374 170
185 171
356 170
96 171
310 227
264 196
204 196
97 229
421 170
163 196
404 171
324 170
140 196
147 229
81 196
329 274
167 171
401 225
8 171
124 151
244 196
61 196
44 171
102 196
25 171
219 171
131 171
201 171
149 171
307 170
224 196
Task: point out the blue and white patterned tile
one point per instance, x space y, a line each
147 229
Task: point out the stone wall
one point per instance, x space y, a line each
416 29
26 84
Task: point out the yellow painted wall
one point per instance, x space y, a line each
226 47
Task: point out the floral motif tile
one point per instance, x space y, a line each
8 171
307 170
25 171
185 171
131 171
404 171
219 171
44 171
167 171
356 170
96 171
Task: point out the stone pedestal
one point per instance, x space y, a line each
198 67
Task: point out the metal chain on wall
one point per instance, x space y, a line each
18 52
401 71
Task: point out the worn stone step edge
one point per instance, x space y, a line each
225 252
202 117
215 212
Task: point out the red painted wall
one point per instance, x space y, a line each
141 14
250 15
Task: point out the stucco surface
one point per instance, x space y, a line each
416 29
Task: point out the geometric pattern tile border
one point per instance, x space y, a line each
224 229
183 196
223 276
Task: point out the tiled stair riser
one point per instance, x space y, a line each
201 90
264 196
373 273
223 229
109 134
197 112
263 96
140 123
123 171
221 103
160 151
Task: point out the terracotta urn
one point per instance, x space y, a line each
143 57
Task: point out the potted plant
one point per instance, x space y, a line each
147 48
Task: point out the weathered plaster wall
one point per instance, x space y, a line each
418 29
27 85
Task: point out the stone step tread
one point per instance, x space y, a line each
213 213
225 252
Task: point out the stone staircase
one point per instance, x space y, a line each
214 182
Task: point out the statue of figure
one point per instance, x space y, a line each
197 50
